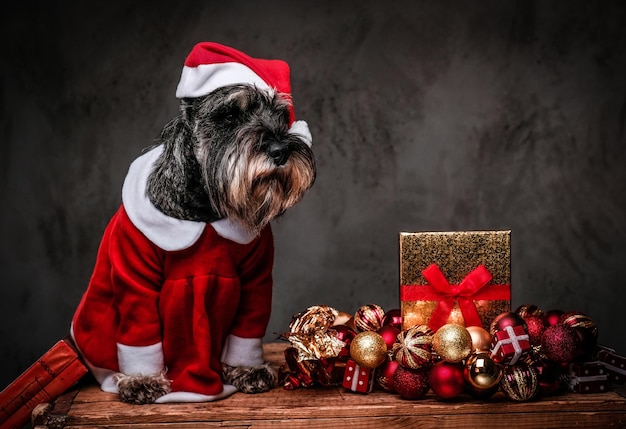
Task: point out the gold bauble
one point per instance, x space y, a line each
452 342
368 349
481 338
481 372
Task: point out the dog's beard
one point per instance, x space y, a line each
251 189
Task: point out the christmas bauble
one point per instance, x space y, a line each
553 316
413 347
576 319
393 317
369 318
389 334
549 375
446 379
481 372
528 310
559 343
536 325
452 342
519 382
587 344
345 334
481 338
503 320
385 373
410 383
482 393
368 349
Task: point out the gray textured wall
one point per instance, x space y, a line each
440 115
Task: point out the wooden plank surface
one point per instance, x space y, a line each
331 407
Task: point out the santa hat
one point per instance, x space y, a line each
210 66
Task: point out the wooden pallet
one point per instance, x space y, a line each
87 406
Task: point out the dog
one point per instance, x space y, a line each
180 295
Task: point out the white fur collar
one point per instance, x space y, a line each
167 232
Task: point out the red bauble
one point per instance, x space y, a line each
393 317
520 381
369 318
385 373
446 379
576 319
529 310
410 383
536 325
553 316
389 334
345 334
560 343
549 378
505 319
586 345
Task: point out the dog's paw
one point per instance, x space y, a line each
142 389
250 379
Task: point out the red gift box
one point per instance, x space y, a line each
587 377
510 344
357 378
53 373
615 364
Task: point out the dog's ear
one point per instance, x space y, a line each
187 110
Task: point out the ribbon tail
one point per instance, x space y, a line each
470 313
441 313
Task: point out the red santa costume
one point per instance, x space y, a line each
179 295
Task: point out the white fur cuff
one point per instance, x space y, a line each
301 129
242 351
146 360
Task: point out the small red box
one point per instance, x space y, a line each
510 344
55 372
358 379
615 364
587 377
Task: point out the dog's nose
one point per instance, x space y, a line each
278 153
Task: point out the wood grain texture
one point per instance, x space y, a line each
336 407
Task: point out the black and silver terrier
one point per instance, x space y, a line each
181 292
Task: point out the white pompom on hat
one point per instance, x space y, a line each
210 66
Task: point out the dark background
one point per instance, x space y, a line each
426 116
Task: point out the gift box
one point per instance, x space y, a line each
454 277
586 377
614 364
357 378
509 345
53 373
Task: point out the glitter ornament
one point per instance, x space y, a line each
481 338
482 373
505 319
394 318
369 318
389 334
413 347
579 320
446 379
368 349
410 383
536 325
559 343
385 373
452 342
528 310
519 382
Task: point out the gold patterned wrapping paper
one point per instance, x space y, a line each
456 254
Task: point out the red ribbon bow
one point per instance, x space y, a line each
471 288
